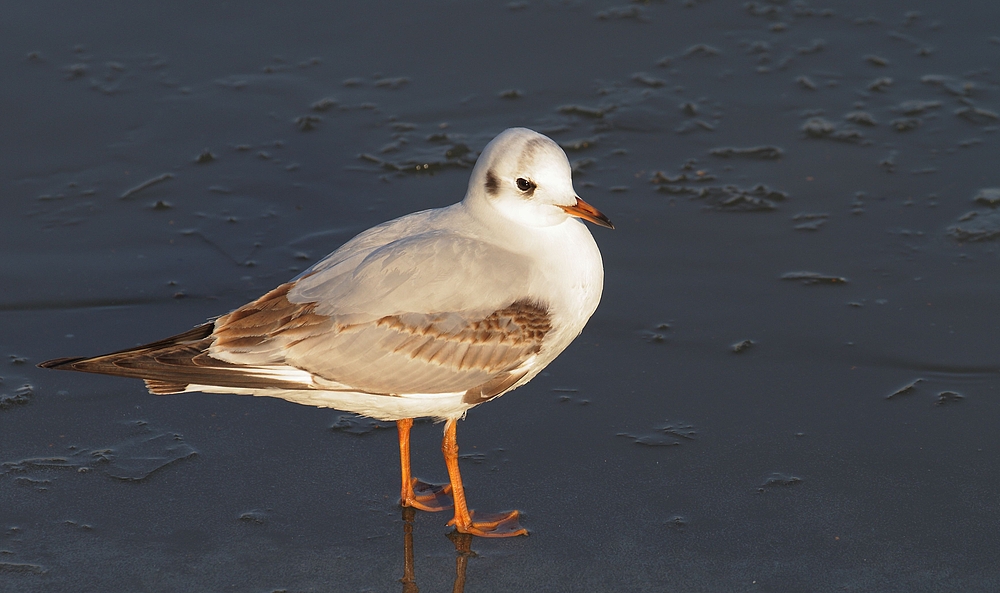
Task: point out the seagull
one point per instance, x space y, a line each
427 315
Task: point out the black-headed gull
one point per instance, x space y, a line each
426 315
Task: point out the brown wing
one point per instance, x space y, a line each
272 343
424 353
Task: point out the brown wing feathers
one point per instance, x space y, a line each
265 319
519 327
523 323
77 363
170 365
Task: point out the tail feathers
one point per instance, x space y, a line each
171 364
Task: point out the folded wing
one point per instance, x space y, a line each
397 319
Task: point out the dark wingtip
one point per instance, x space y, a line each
56 363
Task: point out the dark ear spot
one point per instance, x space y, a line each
492 183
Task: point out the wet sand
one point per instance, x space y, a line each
791 384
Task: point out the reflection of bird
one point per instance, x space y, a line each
426 315
463 551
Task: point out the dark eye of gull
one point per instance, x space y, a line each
524 185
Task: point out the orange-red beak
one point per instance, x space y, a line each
587 212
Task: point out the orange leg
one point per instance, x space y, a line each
415 493
503 525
